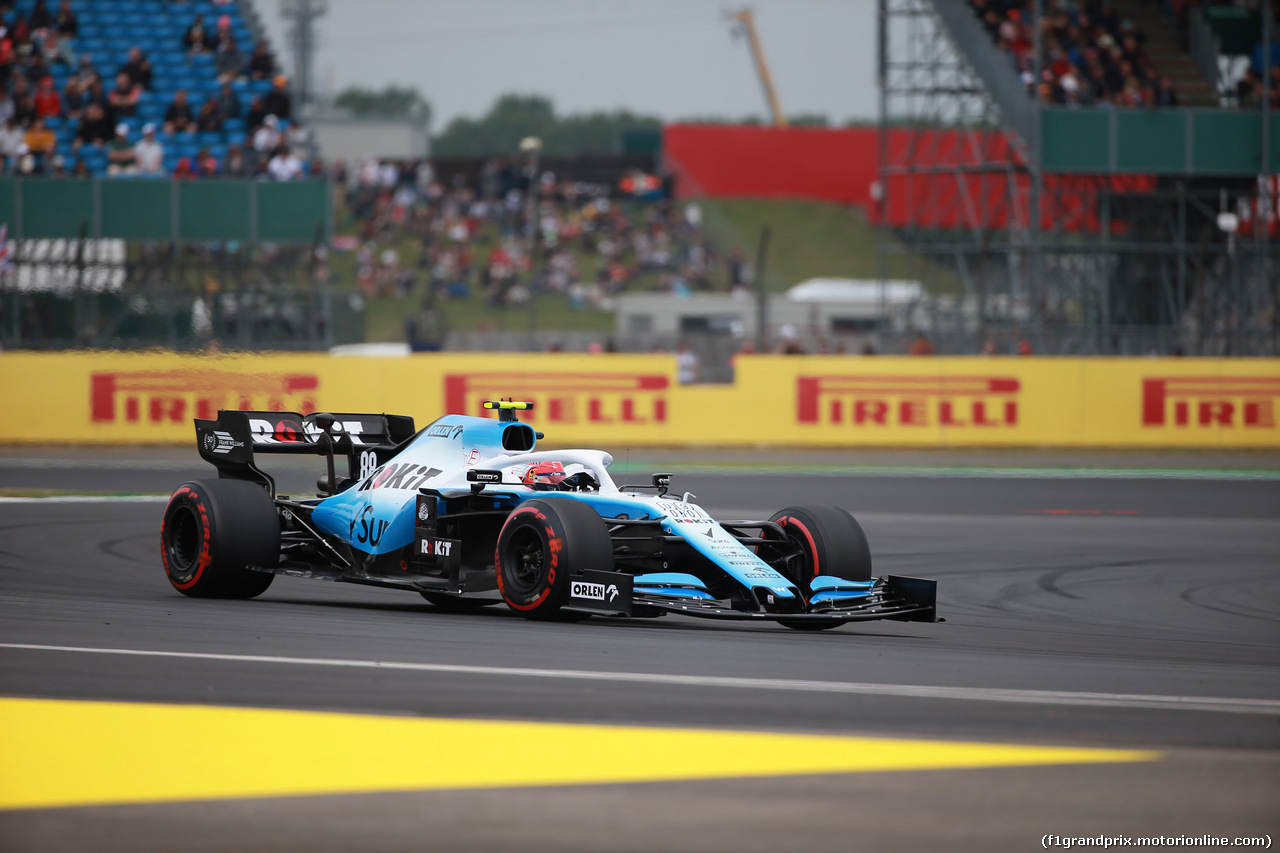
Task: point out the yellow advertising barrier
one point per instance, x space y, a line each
634 400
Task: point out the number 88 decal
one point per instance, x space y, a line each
368 463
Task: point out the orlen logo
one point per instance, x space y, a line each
597 591
176 396
565 398
950 401
1210 401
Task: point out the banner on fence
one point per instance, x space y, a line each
611 401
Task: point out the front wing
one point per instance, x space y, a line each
894 597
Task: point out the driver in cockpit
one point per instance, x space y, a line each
552 477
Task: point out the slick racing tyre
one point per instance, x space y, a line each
541 544
212 531
831 543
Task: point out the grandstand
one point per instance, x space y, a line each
1120 223
108 29
92 255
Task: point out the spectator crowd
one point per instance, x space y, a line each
93 123
1090 55
592 242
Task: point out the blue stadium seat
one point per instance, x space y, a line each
109 28
167 66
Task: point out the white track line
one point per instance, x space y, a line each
87 499
980 694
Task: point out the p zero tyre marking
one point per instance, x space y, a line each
192 498
497 563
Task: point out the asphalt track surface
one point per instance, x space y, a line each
1128 613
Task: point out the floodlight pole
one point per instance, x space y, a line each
762 298
302 34
882 168
1266 200
1035 286
532 146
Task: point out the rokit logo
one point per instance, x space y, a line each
435 547
593 591
289 430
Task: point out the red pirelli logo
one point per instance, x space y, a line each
1210 401
176 396
910 401
565 398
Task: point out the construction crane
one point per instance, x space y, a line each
746 23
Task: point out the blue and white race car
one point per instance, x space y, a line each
468 512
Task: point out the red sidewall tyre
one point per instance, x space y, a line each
212 531
831 542
542 542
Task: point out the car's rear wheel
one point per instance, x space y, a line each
212 532
542 543
831 543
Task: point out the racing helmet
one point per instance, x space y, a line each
544 474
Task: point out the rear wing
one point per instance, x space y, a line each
230 442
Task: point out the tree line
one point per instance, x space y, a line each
513 117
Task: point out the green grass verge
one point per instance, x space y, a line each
808 239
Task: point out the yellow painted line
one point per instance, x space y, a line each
71 753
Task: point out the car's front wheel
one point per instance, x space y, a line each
542 542
830 542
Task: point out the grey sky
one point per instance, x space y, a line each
671 58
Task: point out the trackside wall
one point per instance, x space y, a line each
634 400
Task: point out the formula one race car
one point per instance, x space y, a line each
468 513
